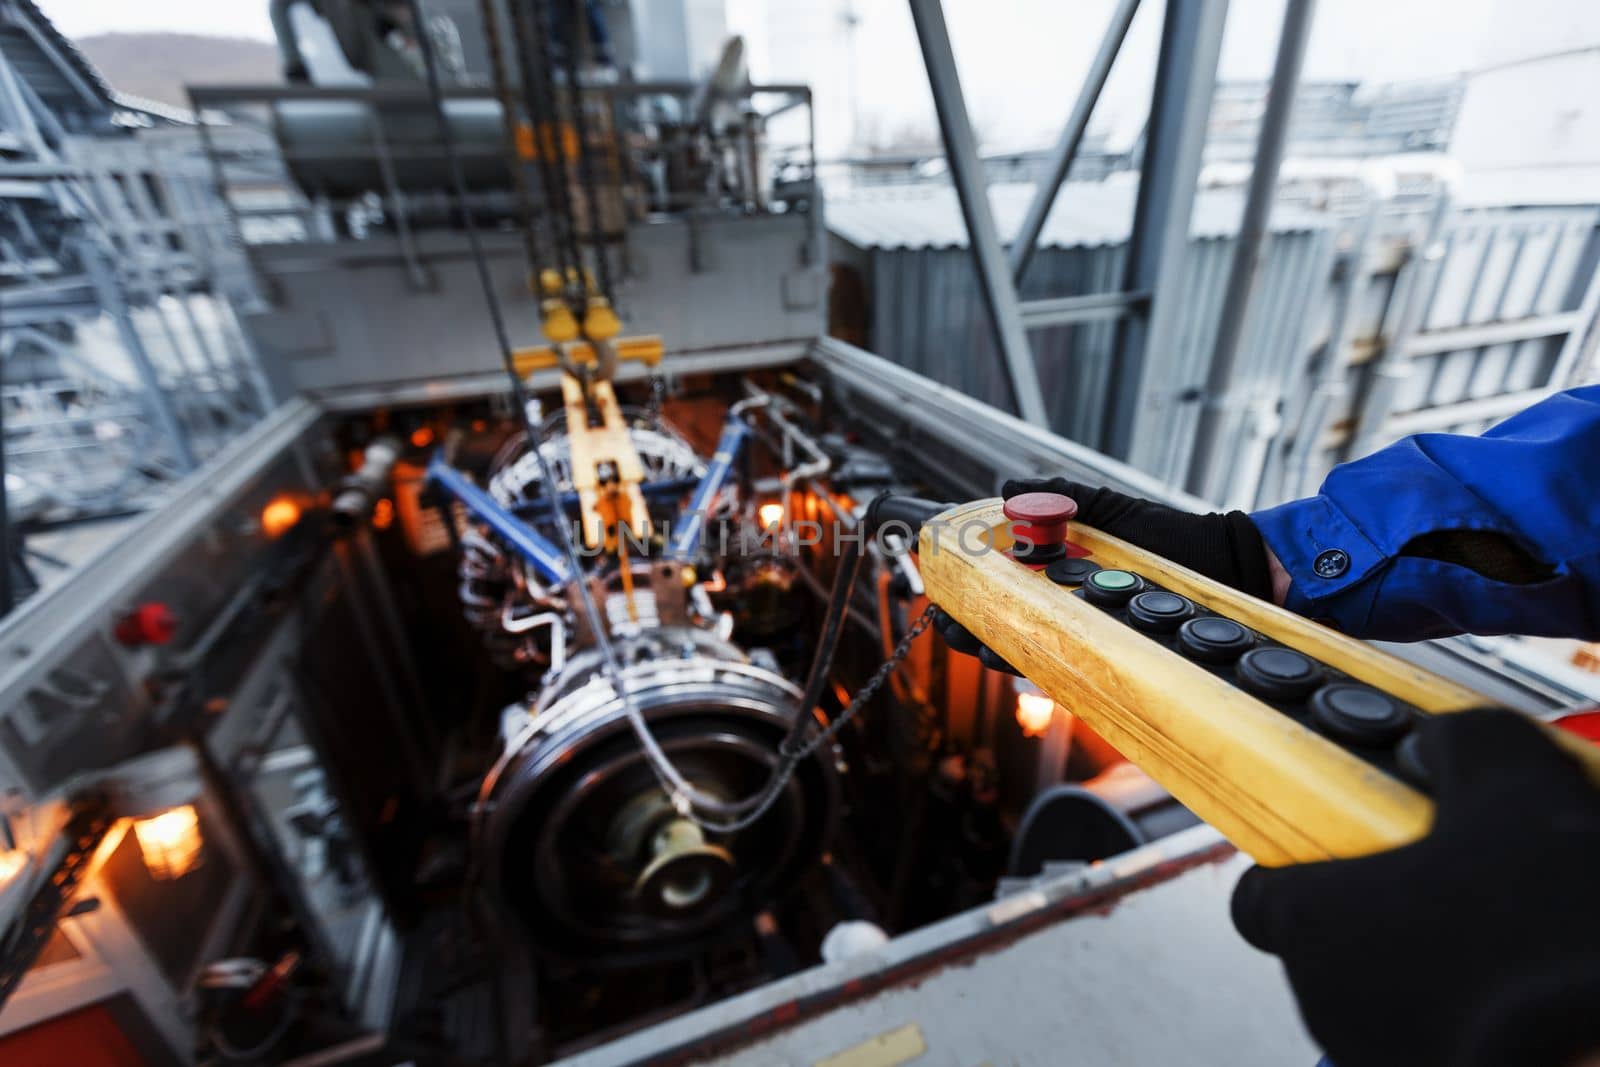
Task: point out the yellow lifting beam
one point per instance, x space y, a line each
646 349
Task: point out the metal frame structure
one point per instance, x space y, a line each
1186 75
125 364
1285 442
966 170
761 265
1175 134
1066 149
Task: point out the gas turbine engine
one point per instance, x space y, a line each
577 836
503 596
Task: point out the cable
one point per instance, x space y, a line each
519 175
580 125
526 23
474 242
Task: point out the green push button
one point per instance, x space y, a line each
1113 581
1111 589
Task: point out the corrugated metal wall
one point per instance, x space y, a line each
1501 266
1499 309
927 314
1443 320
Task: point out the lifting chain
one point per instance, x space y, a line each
789 759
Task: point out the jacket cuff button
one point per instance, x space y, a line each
1331 563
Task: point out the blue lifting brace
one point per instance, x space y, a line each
545 557
691 524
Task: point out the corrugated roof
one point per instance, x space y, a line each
65 52
1087 214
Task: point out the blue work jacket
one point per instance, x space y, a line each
1534 478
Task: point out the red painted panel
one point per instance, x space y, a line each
88 1037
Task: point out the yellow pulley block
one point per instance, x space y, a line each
600 322
559 324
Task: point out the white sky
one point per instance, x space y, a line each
1021 60
233 18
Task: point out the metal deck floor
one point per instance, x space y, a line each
1151 978
1161 978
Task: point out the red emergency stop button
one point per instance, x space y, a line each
1039 523
1585 723
151 623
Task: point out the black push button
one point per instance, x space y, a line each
1408 758
1278 673
1037 555
960 638
955 635
1159 612
1111 588
1213 640
1070 571
991 659
1358 715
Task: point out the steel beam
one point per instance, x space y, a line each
1212 446
1066 149
1090 307
108 288
1482 335
1449 416
8 598
1186 76
983 240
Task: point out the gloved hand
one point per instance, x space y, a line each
1476 946
1227 548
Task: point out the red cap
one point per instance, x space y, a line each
1040 518
151 623
1041 509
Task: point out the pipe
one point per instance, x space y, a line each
558 632
294 61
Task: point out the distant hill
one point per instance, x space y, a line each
158 65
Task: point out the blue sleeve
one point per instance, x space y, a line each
1535 478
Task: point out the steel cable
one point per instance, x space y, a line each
538 88
519 174
580 125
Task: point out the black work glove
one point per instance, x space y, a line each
1478 945
1227 548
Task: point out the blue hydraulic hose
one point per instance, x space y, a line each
691 524
546 558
